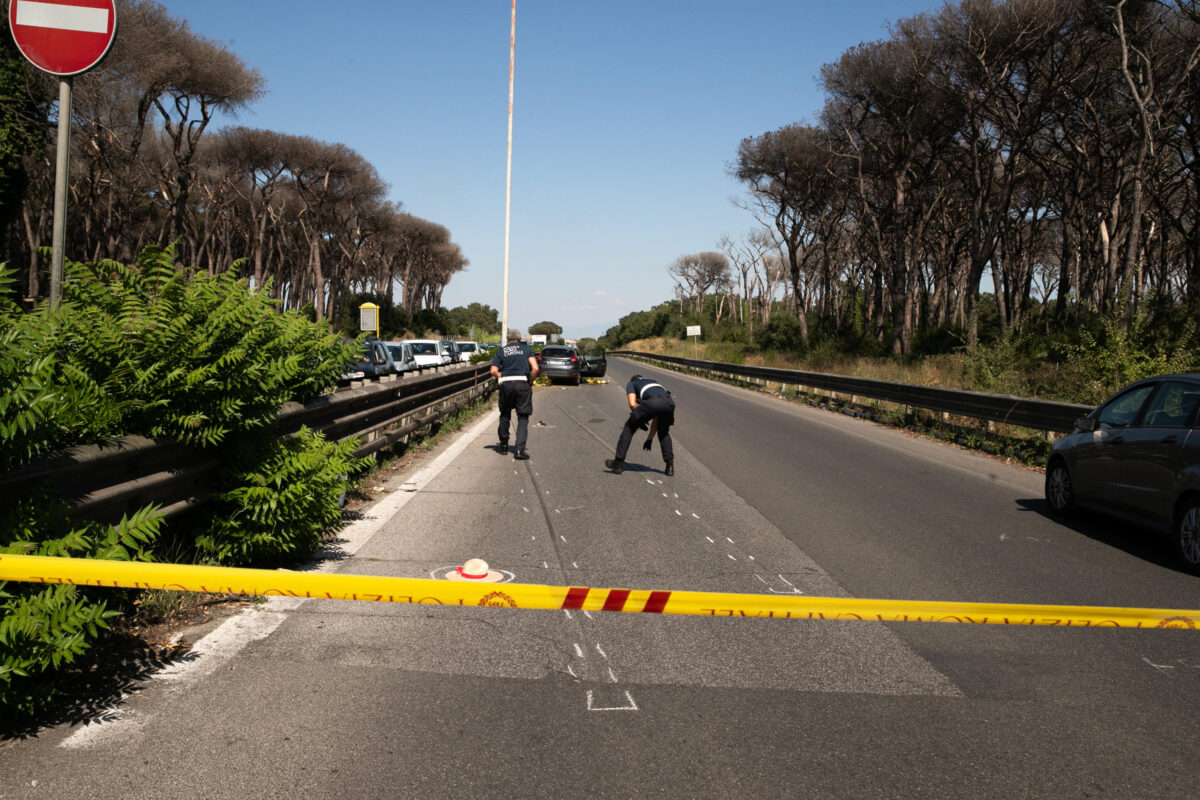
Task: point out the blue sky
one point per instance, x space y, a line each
627 115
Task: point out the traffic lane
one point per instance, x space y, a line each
890 514
559 518
379 732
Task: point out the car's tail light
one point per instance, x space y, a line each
574 359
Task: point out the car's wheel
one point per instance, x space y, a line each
1186 535
578 379
1060 493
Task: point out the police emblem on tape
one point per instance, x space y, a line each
1177 622
498 600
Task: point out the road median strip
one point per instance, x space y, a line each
426 591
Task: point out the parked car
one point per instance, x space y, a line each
1137 457
375 362
427 352
449 351
559 361
593 364
402 355
466 350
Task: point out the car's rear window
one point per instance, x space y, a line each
556 352
466 348
425 349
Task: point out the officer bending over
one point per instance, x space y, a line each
515 366
649 405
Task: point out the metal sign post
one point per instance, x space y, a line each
63 39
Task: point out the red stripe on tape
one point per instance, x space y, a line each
616 600
575 597
657 602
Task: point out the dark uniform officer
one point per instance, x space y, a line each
650 405
516 367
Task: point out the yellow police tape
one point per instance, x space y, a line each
261 582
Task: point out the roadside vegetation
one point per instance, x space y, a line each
183 355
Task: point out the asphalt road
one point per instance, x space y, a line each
338 699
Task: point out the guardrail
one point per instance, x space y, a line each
1043 415
104 482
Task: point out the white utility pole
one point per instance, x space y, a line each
512 62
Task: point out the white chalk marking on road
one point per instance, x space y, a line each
711 540
694 514
731 558
545 565
592 707
764 580
750 557
664 494
578 651
588 614
785 580
575 564
600 650
573 675
567 611
526 510
564 539
729 540
677 513
612 676
649 481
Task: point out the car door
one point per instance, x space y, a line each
1147 462
1095 454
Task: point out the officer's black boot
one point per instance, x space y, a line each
503 448
617 465
670 470
521 455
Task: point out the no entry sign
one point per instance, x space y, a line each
63 37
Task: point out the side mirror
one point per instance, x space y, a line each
1086 424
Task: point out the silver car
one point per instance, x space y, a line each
1137 457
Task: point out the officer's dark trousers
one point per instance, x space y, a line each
515 396
656 406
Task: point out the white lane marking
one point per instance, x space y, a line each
592 707
258 622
